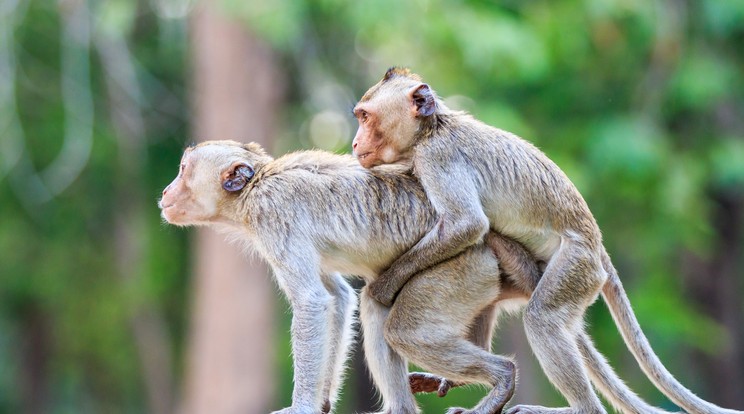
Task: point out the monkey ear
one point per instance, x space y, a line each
423 99
237 176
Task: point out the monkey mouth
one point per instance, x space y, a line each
364 155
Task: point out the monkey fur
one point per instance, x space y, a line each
480 178
314 216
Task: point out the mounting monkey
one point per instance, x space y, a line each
312 215
477 178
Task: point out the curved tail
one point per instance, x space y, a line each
609 384
619 305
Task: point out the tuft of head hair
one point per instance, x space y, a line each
251 147
255 148
397 71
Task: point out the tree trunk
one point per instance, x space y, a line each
229 355
715 286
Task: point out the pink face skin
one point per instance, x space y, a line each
175 203
388 117
369 141
179 205
210 176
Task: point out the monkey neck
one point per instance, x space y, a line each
436 124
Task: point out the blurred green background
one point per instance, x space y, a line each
640 102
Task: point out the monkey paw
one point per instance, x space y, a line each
425 382
297 410
536 409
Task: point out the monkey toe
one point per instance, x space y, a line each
425 382
458 410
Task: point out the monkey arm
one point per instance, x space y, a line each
462 223
312 312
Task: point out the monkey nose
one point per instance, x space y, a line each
354 145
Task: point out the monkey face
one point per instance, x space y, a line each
209 178
187 201
389 116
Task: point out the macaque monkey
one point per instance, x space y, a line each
477 178
313 216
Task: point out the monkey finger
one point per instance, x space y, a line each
444 386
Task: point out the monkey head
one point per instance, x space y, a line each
390 115
211 176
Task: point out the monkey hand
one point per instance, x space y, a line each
381 291
425 382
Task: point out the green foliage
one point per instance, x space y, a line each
641 103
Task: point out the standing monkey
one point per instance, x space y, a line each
477 178
313 216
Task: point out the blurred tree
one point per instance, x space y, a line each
641 103
236 95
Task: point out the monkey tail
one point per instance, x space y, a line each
620 308
609 384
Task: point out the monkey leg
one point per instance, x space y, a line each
312 337
341 336
553 321
481 333
432 318
388 369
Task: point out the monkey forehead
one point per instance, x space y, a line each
388 92
251 148
395 86
227 144
215 154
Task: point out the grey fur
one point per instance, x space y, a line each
480 179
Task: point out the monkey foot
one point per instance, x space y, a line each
425 382
536 409
296 410
391 411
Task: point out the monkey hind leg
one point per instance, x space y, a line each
435 313
553 320
480 333
342 334
460 361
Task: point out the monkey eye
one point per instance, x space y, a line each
363 115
